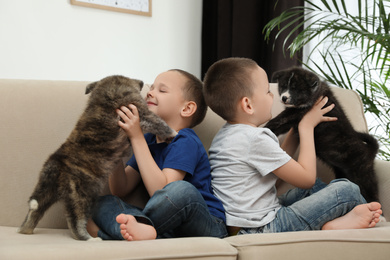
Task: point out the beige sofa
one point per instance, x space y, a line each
37 116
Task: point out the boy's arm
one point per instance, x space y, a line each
123 180
153 177
290 143
302 173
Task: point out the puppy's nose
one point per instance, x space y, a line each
284 99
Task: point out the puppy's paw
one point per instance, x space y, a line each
94 239
171 137
174 134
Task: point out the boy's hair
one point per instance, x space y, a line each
193 91
226 82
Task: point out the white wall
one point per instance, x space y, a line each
52 39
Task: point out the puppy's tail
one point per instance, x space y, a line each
371 143
44 195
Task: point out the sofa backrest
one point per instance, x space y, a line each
36 117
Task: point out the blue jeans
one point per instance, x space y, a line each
311 209
177 210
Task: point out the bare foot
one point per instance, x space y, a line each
132 230
362 216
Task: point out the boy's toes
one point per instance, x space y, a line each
121 219
374 206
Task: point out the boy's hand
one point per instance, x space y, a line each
130 121
316 114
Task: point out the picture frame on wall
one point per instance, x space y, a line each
138 7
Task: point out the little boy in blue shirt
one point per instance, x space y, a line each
176 174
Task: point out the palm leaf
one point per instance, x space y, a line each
331 23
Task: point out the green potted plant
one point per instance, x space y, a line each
367 34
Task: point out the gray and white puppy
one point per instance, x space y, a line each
349 153
77 172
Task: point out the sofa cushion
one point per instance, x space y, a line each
58 244
335 244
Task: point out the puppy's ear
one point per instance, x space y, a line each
90 87
314 84
140 84
277 75
312 79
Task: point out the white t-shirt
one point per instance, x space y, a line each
242 159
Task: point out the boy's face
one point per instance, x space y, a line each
262 97
165 97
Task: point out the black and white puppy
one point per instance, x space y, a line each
349 153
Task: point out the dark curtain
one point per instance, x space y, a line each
233 28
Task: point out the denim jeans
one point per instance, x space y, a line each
311 209
177 210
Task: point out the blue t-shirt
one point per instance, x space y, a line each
186 153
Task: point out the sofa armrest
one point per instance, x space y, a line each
382 169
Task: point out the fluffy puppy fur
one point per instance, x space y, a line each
77 172
349 153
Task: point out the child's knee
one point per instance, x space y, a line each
344 186
180 186
182 191
344 183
